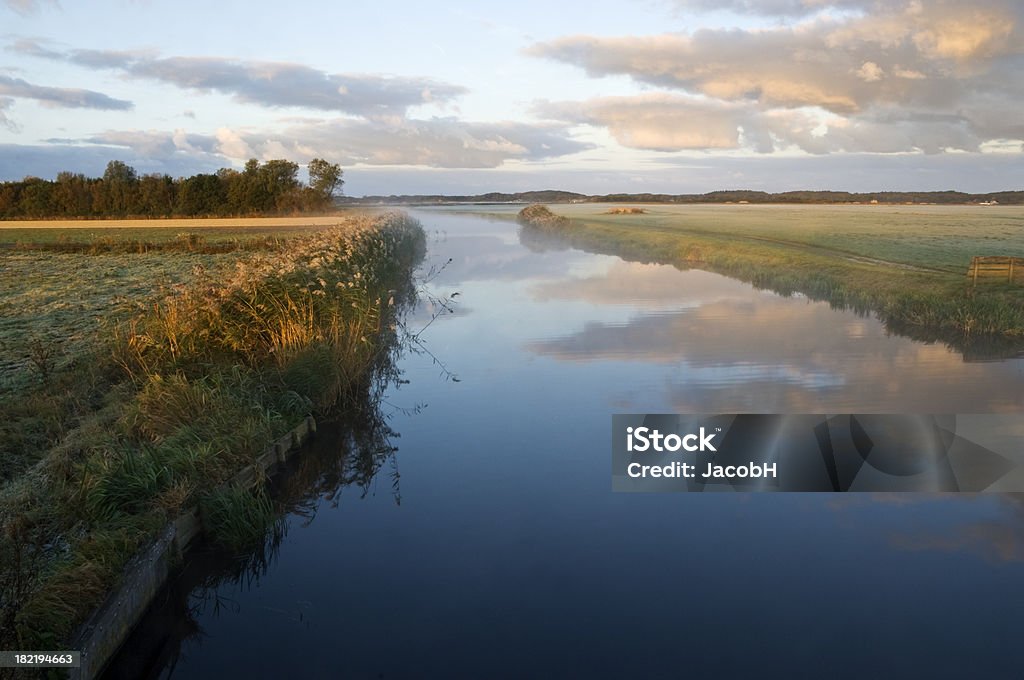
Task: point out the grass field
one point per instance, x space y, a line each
907 264
62 282
58 304
135 383
944 237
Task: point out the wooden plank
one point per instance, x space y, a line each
995 266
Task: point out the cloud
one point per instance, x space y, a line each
437 142
5 103
897 77
26 7
782 369
665 122
376 130
46 160
973 172
61 96
658 122
870 72
265 83
154 143
791 8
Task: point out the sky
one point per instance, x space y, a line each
676 96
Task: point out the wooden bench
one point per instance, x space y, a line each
996 268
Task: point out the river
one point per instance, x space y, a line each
490 544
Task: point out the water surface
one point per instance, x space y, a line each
508 555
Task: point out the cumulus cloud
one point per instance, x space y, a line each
156 143
896 77
265 83
667 122
658 122
68 97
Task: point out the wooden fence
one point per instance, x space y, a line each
997 268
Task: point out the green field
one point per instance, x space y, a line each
906 264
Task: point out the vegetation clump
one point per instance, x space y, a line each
540 216
625 211
184 395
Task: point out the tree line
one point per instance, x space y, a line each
272 187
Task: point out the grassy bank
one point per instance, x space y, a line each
173 400
906 267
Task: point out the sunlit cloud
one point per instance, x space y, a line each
792 83
659 122
784 370
897 77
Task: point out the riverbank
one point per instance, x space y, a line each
505 493
888 264
173 401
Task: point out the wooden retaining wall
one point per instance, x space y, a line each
999 268
108 627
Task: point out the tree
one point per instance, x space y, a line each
324 180
156 195
36 197
72 197
120 185
278 178
201 196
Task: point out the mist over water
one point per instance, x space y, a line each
509 556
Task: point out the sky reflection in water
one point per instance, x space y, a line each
510 557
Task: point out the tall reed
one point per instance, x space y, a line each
208 377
